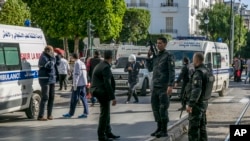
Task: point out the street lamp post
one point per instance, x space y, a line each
232 32
206 21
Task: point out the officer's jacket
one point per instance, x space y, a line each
197 93
184 75
163 68
103 83
133 74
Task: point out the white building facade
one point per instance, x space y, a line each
173 17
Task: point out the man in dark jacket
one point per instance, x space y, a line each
184 76
47 79
103 88
162 66
197 104
92 64
133 69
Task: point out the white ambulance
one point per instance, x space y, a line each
215 53
20 50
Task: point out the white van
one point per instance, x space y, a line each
124 50
20 50
214 52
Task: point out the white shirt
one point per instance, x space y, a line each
248 65
63 67
79 74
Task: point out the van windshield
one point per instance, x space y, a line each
179 55
122 61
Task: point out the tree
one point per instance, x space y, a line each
14 12
219 25
135 25
68 19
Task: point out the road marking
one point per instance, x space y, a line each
244 100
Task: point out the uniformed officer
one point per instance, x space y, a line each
185 78
162 66
197 106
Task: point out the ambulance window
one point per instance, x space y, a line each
208 58
12 61
1 57
216 60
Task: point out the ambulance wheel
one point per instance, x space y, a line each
33 110
223 90
144 87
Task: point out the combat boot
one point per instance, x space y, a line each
163 132
157 130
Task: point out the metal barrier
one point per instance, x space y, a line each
240 117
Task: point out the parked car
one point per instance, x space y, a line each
121 77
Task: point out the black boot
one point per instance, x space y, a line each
163 132
157 130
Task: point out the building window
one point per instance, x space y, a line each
170 2
192 26
143 3
133 2
169 23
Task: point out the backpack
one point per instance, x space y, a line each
208 78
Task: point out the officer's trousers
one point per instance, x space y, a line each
197 125
160 104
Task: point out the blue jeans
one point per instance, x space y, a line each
79 93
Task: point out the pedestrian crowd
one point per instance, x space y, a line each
97 71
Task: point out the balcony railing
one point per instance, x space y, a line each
169 4
169 31
137 4
169 7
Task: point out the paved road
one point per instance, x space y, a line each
134 122
223 111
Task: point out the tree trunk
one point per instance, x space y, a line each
76 44
66 47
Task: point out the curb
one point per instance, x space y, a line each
174 131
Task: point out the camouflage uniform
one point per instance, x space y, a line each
163 76
197 119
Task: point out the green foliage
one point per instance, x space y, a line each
219 25
64 18
69 18
135 25
244 52
14 12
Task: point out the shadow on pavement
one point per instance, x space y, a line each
80 132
